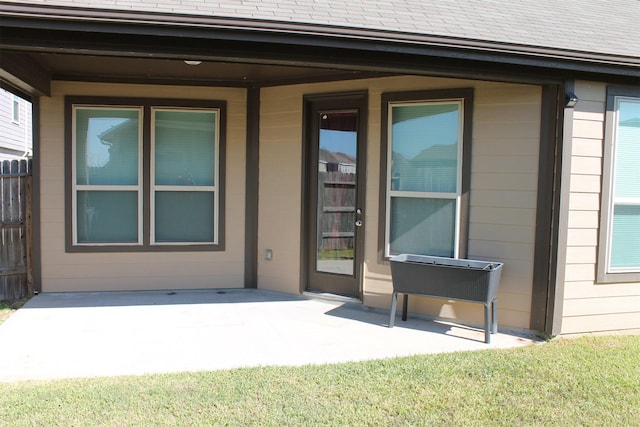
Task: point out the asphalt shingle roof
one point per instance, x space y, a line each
598 26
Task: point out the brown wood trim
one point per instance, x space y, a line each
252 189
330 101
427 95
145 80
467 148
146 178
147 104
23 72
36 205
350 75
68 176
555 307
543 293
602 275
16 91
247 84
305 198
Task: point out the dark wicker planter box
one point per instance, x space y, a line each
448 278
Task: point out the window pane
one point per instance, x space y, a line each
625 248
627 176
107 143
16 109
185 147
422 226
336 204
184 216
424 145
107 217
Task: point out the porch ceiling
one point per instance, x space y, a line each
166 70
101 68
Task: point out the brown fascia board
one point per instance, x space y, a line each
21 72
306 34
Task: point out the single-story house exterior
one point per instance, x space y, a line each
296 145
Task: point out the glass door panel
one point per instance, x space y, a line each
336 184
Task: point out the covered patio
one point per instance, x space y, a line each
91 334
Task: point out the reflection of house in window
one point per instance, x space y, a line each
434 167
122 151
330 161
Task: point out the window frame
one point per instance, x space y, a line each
146 221
604 272
390 99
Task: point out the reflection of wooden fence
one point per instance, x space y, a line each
15 229
336 209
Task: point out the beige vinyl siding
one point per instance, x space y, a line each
279 202
506 134
63 271
504 182
589 306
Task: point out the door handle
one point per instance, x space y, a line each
358 216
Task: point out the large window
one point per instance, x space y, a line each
426 160
145 174
620 237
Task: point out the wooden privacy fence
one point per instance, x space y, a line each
16 280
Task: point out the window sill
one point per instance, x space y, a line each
139 248
612 278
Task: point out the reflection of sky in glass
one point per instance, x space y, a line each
626 183
97 152
338 141
629 110
410 137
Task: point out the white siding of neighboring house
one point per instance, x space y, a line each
589 306
16 140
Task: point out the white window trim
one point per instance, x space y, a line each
613 200
185 188
75 188
424 195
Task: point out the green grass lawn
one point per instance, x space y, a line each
585 381
8 308
335 254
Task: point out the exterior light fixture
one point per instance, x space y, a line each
570 100
188 62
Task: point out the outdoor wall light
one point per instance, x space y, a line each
188 62
570 100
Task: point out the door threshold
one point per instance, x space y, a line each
329 297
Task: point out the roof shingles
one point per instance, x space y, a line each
609 27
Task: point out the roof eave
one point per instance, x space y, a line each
305 34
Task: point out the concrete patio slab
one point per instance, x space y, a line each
70 335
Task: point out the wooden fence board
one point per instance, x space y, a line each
15 196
